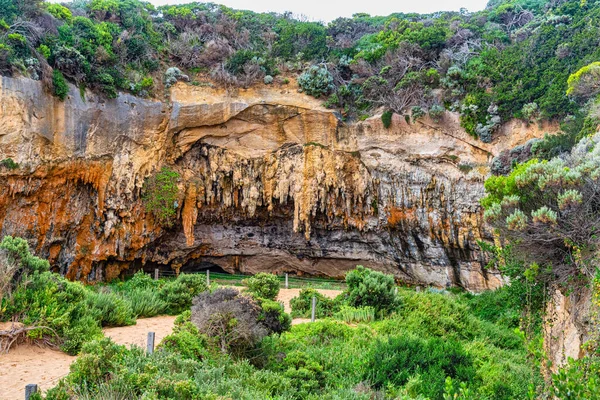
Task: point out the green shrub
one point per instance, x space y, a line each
263 285
187 341
305 374
355 314
417 113
9 163
146 303
96 363
139 280
60 12
160 194
114 309
178 294
316 81
302 305
395 360
436 112
273 316
44 51
368 288
386 118
59 85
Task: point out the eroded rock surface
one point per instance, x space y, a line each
271 181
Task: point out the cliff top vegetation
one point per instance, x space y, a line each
511 60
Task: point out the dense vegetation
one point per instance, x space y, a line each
238 345
67 314
512 60
373 339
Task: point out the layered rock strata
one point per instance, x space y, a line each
270 181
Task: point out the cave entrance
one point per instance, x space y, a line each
202 266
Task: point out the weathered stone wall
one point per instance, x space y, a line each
271 181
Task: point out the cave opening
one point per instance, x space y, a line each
194 266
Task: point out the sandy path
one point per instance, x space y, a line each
285 295
138 334
30 364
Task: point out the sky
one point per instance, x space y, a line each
327 10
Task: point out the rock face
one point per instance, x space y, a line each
270 181
567 326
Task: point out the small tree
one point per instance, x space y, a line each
316 81
232 320
368 288
548 211
263 285
160 196
585 83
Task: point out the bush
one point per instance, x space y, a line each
59 85
230 319
436 112
273 316
368 288
187 341
9 163
386 118
146 303
356 314
95 364
306 374
263 285
174 74
160 194
416 113
395 360
316 81
302 305
114 310
179 294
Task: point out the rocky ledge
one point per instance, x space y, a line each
270 181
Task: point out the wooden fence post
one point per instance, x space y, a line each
208 277
314 306
156 274
150 346
30 390
286 281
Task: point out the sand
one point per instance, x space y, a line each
28 363
138 334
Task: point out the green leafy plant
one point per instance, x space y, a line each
368 288
316 81
302 305
263 285
386 118
160 193
9 163
178 294
59 85
355 314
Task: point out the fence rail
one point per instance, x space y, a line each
236 279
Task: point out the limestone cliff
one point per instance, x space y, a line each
271 181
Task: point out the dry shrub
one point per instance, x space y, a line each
230 319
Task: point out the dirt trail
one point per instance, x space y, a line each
31 364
